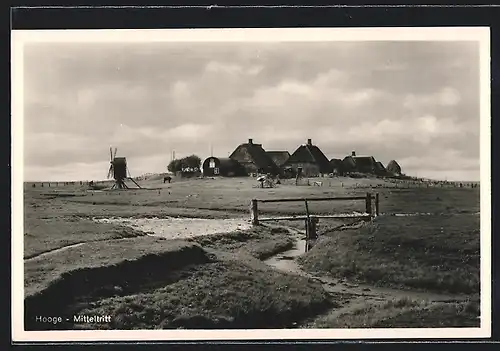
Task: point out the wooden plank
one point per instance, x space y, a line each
314 199
301 218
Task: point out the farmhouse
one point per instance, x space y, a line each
362 164
348 164
254 158
394 168
310 159
365 164
225 167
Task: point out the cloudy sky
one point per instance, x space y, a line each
416 102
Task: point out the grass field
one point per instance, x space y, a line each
221 281
438 253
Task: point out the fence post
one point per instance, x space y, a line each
369 204
254 212
377 205
313 221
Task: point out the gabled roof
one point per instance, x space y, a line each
393 167
278 157
379 166
349 163
309 153
364 161
257 154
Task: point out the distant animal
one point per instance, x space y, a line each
167 179
317 183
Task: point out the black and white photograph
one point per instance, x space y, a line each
251 184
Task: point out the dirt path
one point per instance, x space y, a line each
352 296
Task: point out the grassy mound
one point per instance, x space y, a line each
154 283
43 235
224 294
405 313
44 271
55 284
260 242
439 253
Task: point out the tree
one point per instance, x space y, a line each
192 162
175 166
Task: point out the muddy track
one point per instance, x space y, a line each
352 296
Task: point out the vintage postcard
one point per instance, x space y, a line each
251 184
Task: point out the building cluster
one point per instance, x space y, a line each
307 160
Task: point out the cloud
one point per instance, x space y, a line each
445 97
233 69
394 100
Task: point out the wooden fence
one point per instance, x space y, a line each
312 220
369 198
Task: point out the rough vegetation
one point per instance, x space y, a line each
73 265
439 253
404 313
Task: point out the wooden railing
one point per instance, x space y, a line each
368 198
312 220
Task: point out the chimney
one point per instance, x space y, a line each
353 153
250 141
309 142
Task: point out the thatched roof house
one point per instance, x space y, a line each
348 164
225 167
365 164
254 158
279 157
361 164
394 168
310 160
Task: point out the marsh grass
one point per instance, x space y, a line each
405 313
437 253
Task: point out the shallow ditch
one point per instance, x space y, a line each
91 284
353 293
285 261
78 288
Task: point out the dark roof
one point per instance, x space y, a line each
379 166
393 167
363 162
310 154
258 155
278 157
349 163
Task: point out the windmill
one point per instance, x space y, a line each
118 169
